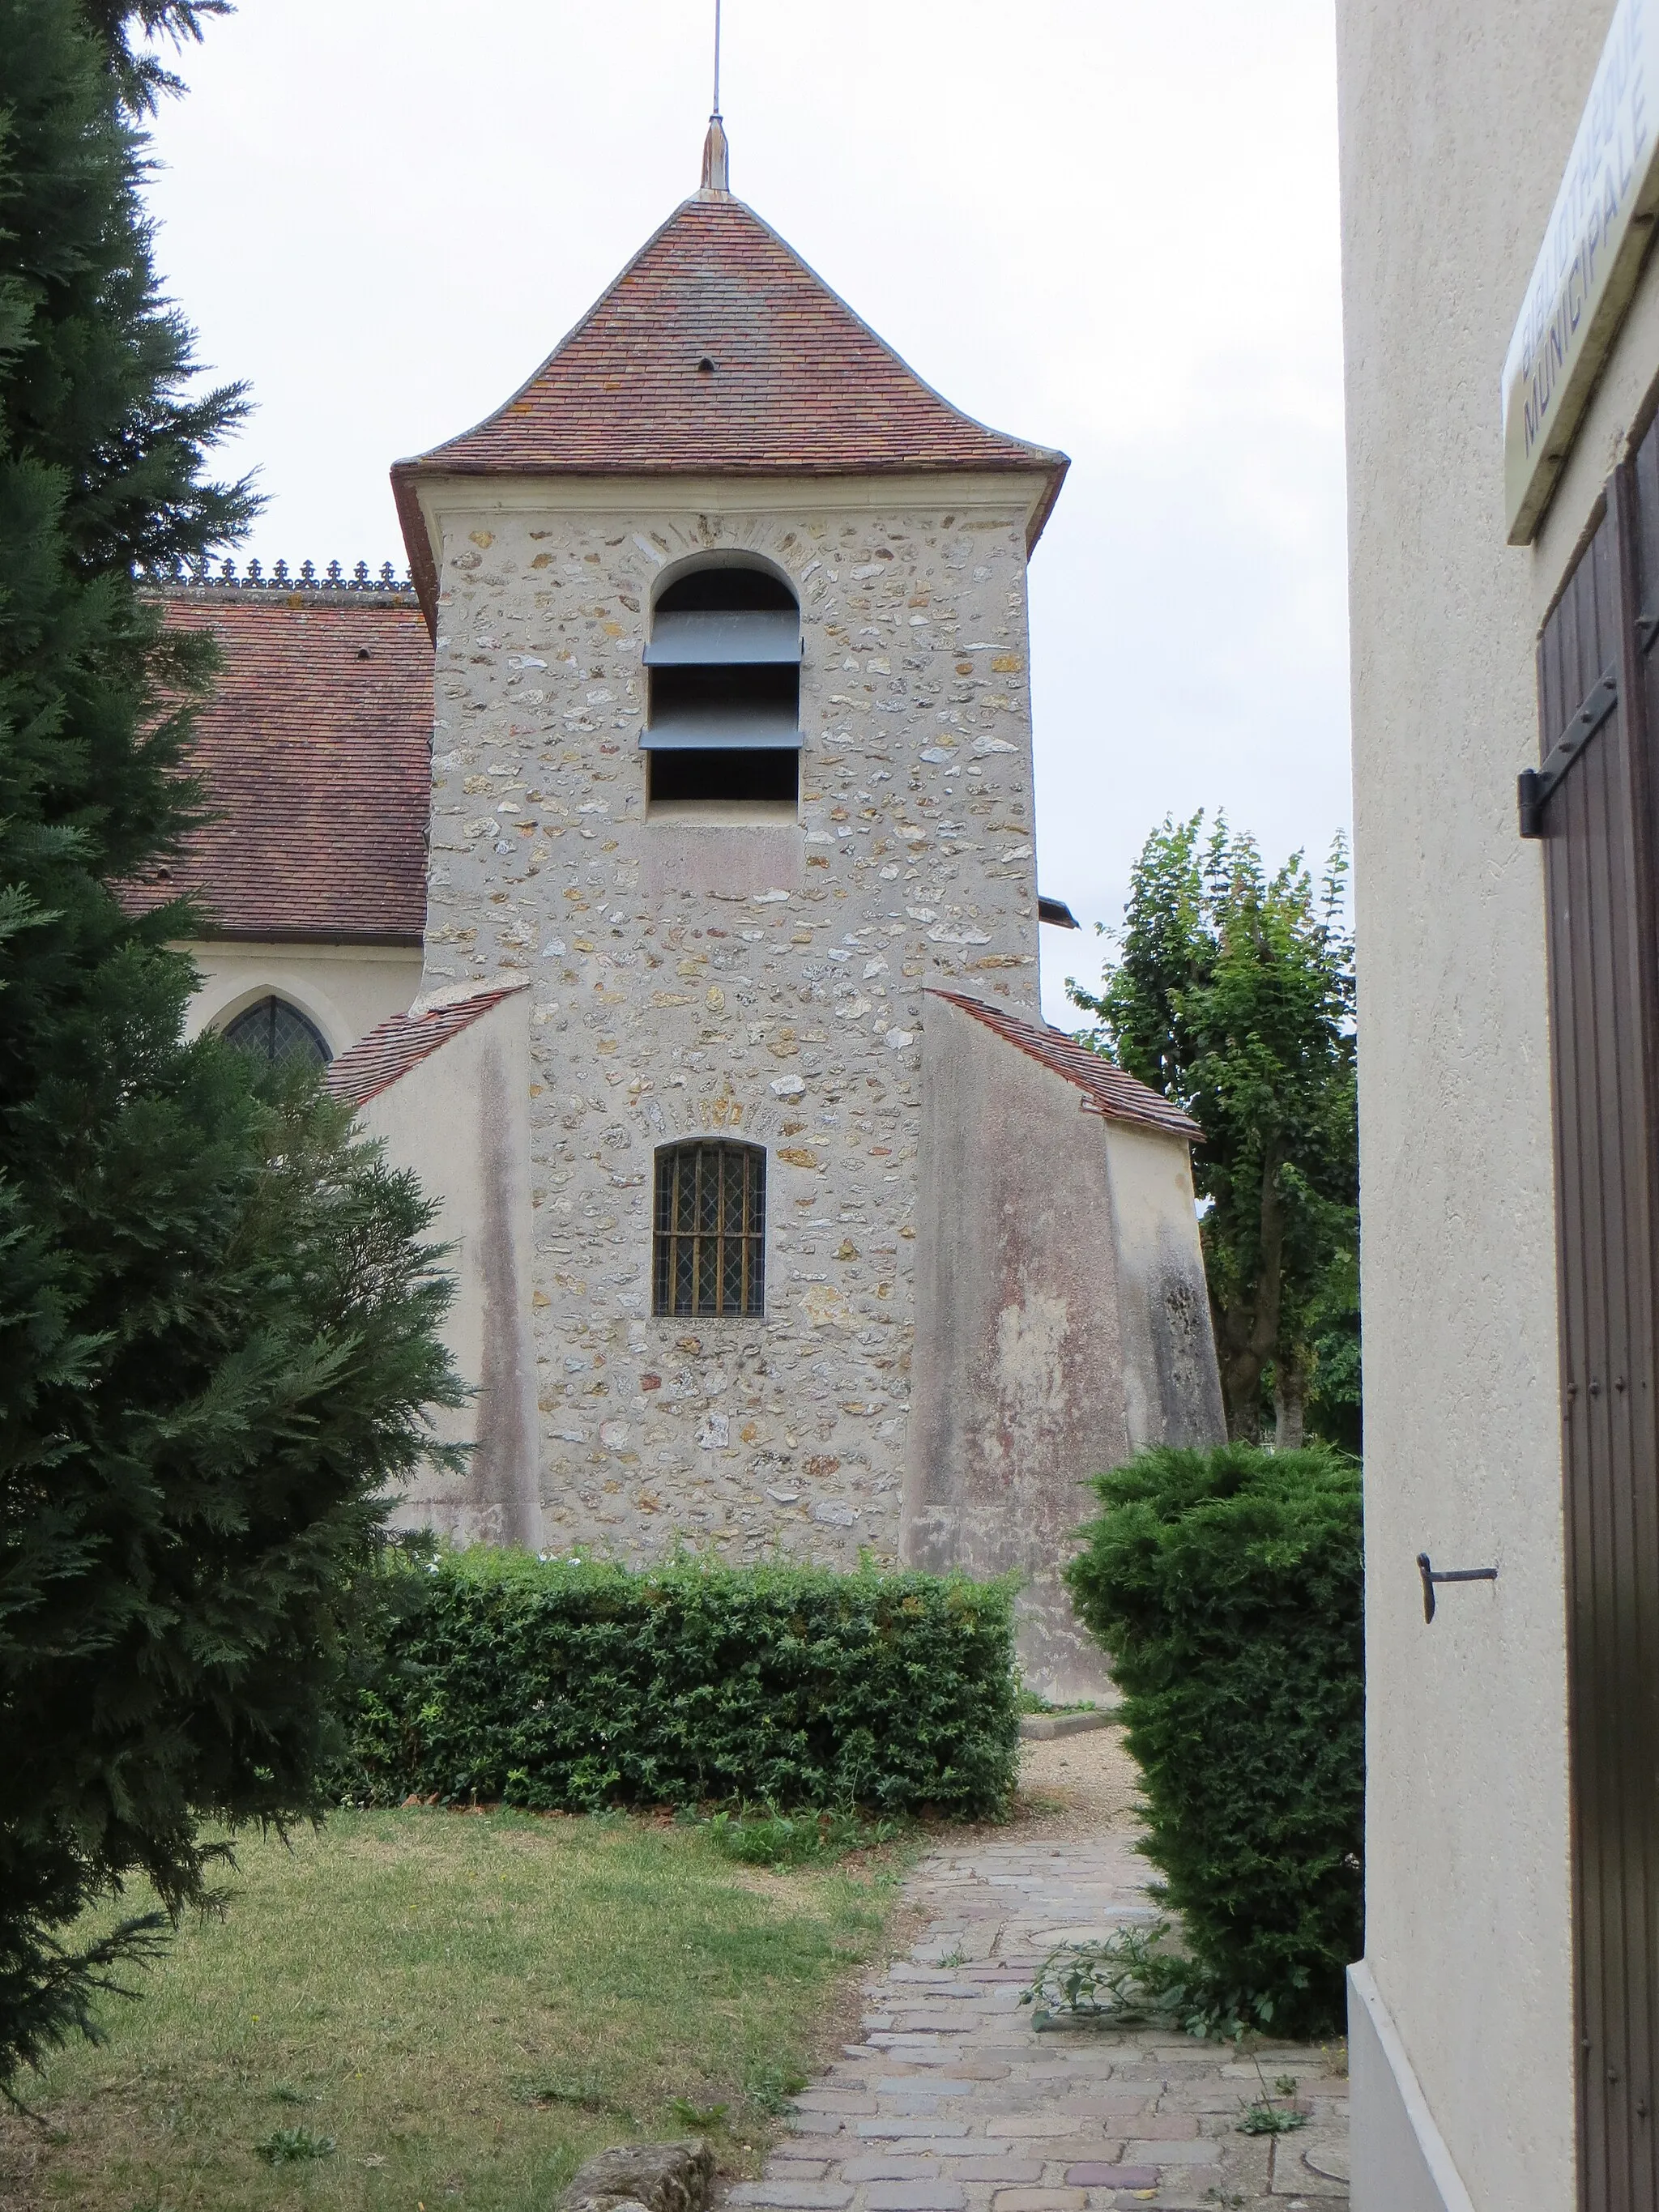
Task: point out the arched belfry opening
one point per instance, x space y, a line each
723 714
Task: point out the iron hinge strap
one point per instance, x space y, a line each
1431 1575
1536 784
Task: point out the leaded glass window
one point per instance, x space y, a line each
274 1031
710 1230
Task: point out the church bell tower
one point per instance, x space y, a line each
733 761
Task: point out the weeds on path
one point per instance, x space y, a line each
1136 1974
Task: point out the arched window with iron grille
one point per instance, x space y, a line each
276 1033
710 1256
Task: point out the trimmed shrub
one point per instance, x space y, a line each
559 1683
1226 1588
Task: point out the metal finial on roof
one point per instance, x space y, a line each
716 155
716 160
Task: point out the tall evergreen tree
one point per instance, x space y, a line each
217 1317
1233 995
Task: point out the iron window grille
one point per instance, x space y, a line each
710 1230
277 1033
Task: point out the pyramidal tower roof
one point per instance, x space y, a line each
719 351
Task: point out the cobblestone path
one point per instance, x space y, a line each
953 2102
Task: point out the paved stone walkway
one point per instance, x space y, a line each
954 2102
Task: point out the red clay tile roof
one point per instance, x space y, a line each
316 754
798 385
374 1064
1107 1089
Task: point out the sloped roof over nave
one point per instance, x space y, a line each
315 751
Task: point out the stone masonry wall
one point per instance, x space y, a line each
761 982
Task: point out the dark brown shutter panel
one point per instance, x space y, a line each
1604 1038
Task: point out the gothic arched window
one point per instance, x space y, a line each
274 1031
710 1254
723 665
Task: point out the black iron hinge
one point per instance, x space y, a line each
1431 1575
1536 784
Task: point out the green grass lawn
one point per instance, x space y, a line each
467 2004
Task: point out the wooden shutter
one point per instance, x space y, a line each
1598 827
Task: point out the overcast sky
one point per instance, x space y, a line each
1097 225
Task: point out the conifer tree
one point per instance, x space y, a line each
217 1316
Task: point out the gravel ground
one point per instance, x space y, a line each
1076 1785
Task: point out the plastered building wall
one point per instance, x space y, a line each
459 1118
346 990
1171 1382
1063 1322
762 980
1455 123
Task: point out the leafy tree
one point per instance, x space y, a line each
1233 996
1334 1408
217 1317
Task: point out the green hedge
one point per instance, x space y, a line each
1226 1588
502 1677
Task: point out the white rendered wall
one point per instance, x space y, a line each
1061 1323
345 990
1455 122
460 1118
760 981
1172 1385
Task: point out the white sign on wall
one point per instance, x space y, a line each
1586 267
